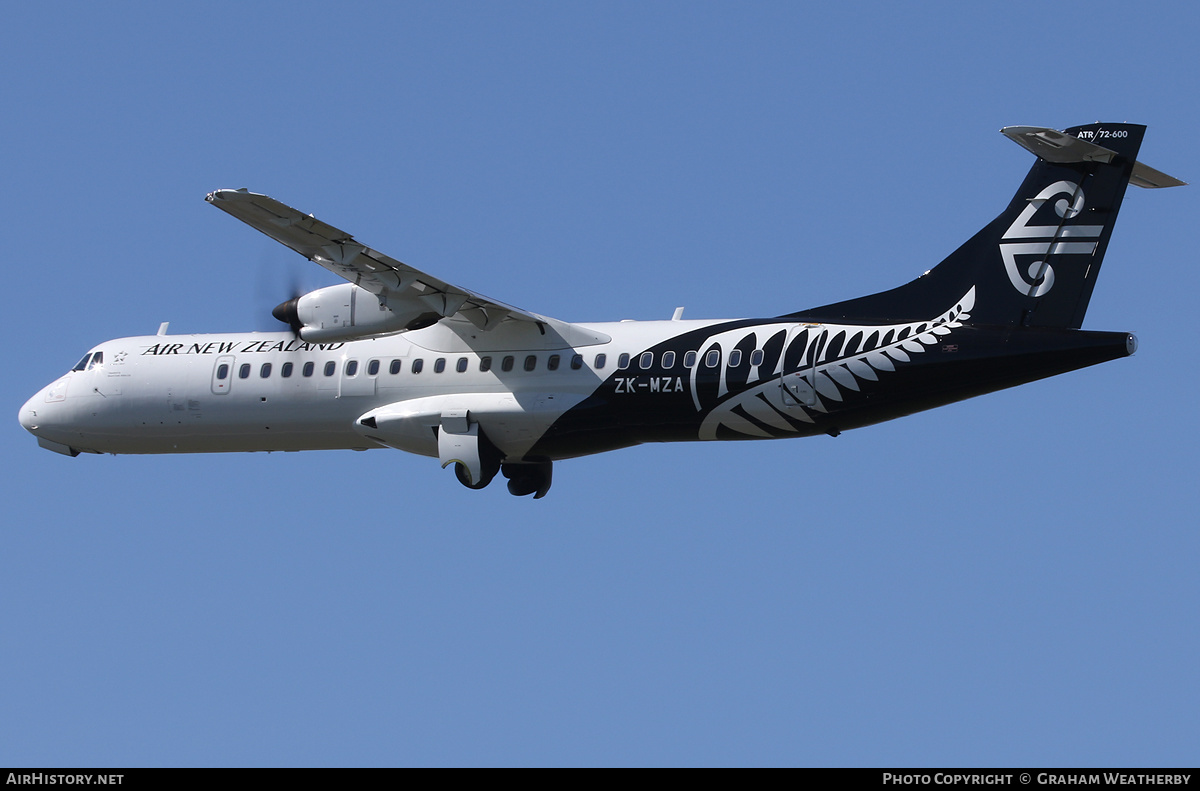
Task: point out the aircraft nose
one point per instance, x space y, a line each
43 417
44 410
28 416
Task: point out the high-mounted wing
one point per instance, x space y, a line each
369 269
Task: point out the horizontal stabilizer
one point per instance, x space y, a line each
1148 177
1054 146
1062 148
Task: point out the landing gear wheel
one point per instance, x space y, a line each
460 472
474 449
528 477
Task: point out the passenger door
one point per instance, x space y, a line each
798 387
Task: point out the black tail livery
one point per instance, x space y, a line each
1036 264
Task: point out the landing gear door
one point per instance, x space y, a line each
798 385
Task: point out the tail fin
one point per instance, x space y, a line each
1036 264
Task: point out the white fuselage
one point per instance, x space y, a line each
272 391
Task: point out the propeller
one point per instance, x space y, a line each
272 274
288 313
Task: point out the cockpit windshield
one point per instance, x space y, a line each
89 361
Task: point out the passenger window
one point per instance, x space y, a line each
576 362
330 368
507 363
223 371
756 357
82 364
531 362
668 360
689 360
286 370
394 368
735 358
373 368
264 371
646 361
308 369
439 365
601 359
623 361
485 364
417 365
552 363
351 367
712 358
244 371
461 366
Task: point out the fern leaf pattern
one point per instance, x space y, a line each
806 370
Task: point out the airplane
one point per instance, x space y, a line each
398 358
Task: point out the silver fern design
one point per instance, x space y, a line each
813 367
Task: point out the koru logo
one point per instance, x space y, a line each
1041 274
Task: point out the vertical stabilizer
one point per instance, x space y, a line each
1036 264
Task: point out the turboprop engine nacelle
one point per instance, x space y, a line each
346 312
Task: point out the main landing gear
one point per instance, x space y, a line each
524 477
528 477
476 460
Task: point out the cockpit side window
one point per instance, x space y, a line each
97 359
82 364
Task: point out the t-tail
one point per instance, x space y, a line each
1036 264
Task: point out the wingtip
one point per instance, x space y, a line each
221 194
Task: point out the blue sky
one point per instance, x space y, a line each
1006 581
